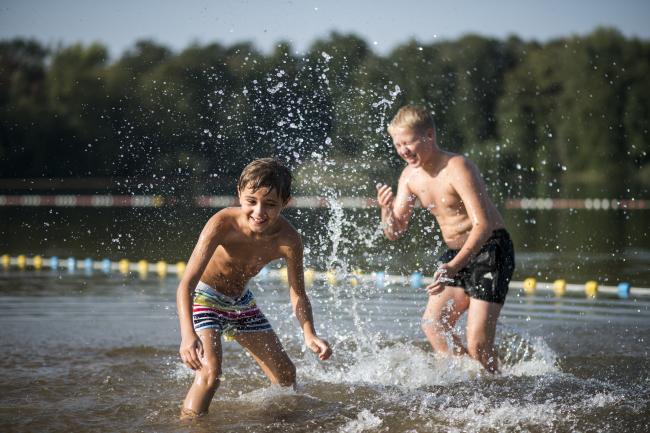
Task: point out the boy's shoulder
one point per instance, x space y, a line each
288 232
289 240
407 173
226 215
457 162
223 221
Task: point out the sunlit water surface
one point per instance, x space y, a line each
99 353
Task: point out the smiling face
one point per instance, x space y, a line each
412 146
261 207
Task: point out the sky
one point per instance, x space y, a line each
384 24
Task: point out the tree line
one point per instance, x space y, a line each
568 117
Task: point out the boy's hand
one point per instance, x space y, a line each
319 346
191 351
443 275
384 195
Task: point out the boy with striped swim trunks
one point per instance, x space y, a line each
212 297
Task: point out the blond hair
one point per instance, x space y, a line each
415 117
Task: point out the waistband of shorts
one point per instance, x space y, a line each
500 233
208 289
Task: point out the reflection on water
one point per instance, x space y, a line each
100 354
608 246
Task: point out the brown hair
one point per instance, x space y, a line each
415 117
266 173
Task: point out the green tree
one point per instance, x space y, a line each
76 96
23 112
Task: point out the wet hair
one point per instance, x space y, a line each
266 173
415 117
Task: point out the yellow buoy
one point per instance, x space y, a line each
331 277
309 276
284 276
143 268
21 261
530 284
353 280
161 269
38 263
559 287
180 269
6 260
123 266
591 288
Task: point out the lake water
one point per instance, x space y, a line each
606 246
100 353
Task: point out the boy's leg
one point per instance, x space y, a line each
266 349
440 317
206 380
481 329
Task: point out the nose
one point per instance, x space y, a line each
259 209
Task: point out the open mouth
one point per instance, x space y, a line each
258 221
411 159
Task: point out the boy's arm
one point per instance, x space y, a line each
191 349
470 187
395 211
293 254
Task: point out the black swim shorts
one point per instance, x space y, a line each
488 273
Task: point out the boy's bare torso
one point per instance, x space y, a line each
240 256
436 192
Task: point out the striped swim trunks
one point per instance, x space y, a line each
212 309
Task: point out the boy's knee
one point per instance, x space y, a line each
434 325
208 377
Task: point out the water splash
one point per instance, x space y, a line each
365 421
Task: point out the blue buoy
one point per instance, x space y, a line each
416 280
88 266
624 290
72 264
106 266
380 279
54 263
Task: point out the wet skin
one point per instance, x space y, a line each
451 188
233 247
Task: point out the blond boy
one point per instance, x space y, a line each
212 297
474 273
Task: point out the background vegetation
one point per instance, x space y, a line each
566 118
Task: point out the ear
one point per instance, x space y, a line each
431 135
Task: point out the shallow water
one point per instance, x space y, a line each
99 353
